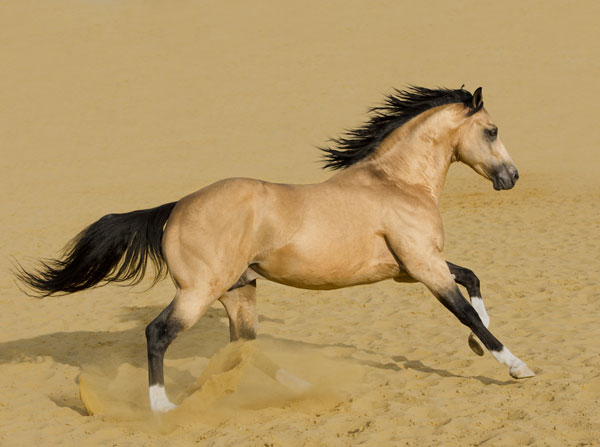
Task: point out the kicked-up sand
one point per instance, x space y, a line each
113 106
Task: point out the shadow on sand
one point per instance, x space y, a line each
108 350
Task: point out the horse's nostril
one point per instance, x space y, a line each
516 176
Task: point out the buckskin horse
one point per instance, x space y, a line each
376 219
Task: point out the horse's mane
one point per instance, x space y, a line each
398 108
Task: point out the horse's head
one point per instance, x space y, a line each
480 147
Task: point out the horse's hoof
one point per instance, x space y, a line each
475 346
159 402
163 407
521 371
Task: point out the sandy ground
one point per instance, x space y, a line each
113 106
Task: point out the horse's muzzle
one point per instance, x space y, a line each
505 177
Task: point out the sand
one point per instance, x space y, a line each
113 106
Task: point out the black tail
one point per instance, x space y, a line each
116 248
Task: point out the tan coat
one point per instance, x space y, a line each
375 220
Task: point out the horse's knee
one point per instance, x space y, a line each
472 279
465 277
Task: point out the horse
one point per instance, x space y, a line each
377 218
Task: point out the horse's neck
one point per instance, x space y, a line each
420 152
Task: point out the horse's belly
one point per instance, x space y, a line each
328 267
308 279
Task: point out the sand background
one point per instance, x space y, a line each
110 106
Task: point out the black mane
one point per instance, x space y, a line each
398 108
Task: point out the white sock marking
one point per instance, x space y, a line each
506 358
517 368
477 303
159 400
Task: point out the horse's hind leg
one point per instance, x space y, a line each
467 279
240 304
183 312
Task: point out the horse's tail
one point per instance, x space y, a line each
116 248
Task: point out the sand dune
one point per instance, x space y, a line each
114 106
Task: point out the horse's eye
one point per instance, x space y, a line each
491 133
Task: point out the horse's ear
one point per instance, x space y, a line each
477 98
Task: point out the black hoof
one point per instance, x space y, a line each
475 346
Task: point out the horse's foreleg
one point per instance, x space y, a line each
453 300
435 274
187 307
467 279
240 304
